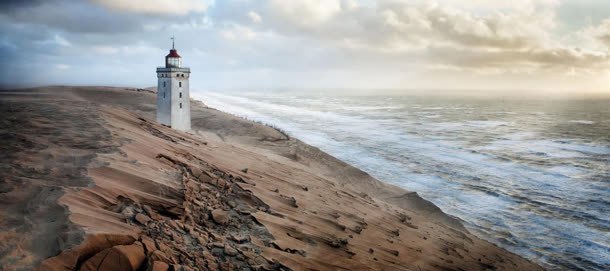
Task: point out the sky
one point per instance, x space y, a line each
520 47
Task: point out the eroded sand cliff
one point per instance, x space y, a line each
89 181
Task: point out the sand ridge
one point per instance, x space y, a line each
230 195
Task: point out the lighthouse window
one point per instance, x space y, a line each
180 105
164 95
163 84
180 84
180 94
183 75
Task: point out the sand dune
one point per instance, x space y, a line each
89 181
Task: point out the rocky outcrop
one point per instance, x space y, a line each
117 258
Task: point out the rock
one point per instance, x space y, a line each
174 225
128 212
177 267
196 172
220 216
217 251
230 251
142 219
208 256
149 244
212 266
218 244
177 238
221 183
199 261
151 213
337 242
202 240
119 258
71 258
293 202
158 255
245 170
227 266
239 238
165 248
159 266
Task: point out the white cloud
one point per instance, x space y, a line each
255 17
62 66
177 7
238 32
105 50
601 32
490 36
138 49
305 12
56 40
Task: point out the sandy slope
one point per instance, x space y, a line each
89 181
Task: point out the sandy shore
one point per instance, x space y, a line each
89 181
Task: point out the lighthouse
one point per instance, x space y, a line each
173 99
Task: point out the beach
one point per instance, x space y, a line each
90 181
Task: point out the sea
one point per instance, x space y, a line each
529 175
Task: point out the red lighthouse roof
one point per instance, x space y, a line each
173 59
173 53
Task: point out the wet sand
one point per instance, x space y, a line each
89 181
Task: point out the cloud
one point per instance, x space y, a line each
70 16
238 32
62 66
55 40
383 39
174 7
520 36
15 4
602 32
518 60
105 50
305 12
255 17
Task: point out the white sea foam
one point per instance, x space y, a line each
583 121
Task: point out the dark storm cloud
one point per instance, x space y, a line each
71 16
6 5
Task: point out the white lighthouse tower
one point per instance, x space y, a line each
173 99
